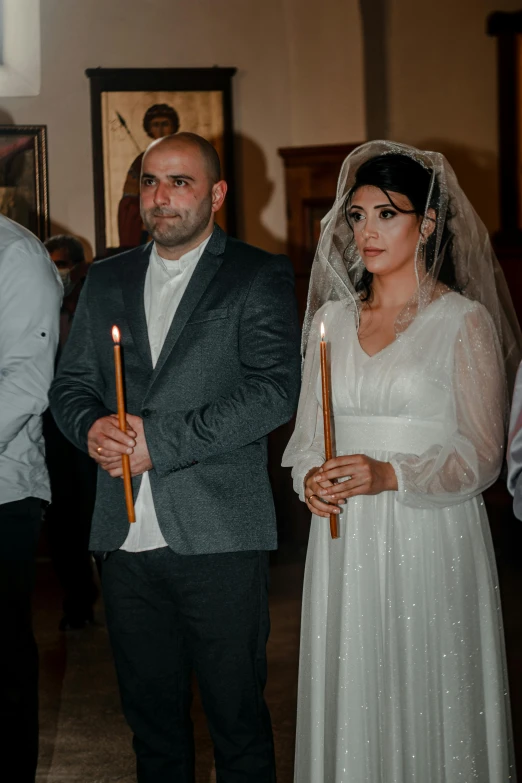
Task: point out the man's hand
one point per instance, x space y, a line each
110 458
313 492
105 440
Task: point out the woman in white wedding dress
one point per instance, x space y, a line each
402 675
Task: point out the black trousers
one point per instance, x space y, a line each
68 519
169 615
20 524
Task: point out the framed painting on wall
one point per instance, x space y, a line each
24 195
130 108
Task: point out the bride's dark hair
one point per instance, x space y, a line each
402 174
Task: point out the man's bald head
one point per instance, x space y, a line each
181 190
184 140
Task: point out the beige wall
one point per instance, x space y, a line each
442 88
290 89
300 81
326 71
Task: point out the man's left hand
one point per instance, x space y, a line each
140 460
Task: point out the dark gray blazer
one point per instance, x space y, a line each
228 374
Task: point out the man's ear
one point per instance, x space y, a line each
219 191
428 224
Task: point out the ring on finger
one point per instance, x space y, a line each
313 495
99 449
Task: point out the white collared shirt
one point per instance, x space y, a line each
30 298
165 284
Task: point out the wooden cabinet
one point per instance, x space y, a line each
311 182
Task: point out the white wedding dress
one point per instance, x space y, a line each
402 675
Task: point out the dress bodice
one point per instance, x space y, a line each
412 377
432 403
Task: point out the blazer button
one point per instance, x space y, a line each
146 413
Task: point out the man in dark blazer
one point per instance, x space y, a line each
210 341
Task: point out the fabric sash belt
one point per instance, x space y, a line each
394 434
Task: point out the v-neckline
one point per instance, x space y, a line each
393 342
381 350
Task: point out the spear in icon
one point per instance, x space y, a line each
128 131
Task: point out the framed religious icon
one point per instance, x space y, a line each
130 108
24 195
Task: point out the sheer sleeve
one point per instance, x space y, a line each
305 449
471 458
514 455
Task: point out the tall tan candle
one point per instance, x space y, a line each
327 423
122 421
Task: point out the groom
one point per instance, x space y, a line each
210 341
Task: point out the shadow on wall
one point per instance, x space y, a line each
5 117
477 173
254 192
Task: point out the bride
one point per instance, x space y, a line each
402 676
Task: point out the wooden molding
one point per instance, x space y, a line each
504 23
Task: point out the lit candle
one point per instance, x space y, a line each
122 421
327 424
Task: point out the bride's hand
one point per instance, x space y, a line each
312 491
364 476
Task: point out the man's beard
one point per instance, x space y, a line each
180 231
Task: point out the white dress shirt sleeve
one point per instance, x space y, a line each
30 298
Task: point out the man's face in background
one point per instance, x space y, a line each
61 259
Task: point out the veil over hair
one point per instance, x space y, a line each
338 268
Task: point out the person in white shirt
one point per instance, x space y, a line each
30 299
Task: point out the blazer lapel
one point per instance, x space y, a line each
205 270
134 272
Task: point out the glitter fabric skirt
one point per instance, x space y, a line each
402 675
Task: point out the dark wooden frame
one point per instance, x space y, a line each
506 28
41 181
161 80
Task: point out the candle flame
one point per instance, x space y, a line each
115 334
322 331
